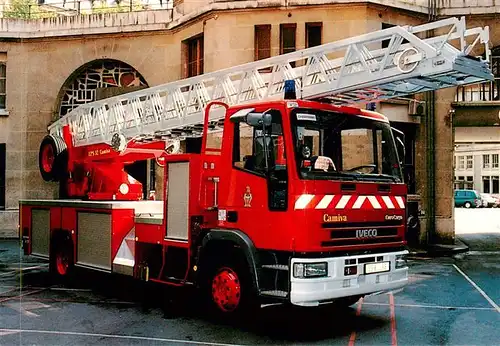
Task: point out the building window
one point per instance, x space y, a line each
193 56
469 161
262 42
461 162
486 161
486 184
2 175
3 76
494 184
287 39
494 161
313 34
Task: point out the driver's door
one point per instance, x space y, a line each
258 187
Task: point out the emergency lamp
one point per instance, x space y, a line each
290 90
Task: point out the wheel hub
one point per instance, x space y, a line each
47 158
62 263
226 290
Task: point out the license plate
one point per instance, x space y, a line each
379 267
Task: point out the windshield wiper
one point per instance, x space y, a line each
340 175
383 176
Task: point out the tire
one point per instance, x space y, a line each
339 304
52 158
347 301
62 257
467 205
228 290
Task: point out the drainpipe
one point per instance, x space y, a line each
430 133
430 97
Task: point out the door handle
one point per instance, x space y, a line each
216 196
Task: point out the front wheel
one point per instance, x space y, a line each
229 290
467 205
226 290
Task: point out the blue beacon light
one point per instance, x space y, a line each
290 90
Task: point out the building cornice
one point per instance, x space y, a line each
172 19
164 20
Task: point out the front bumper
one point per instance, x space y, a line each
315 291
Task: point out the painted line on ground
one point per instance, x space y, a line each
497 308
8 291
394 335
352 339
83 301
433 306
25 262
50 288
482 253
115 336
22 295
2 333
71 289
15 271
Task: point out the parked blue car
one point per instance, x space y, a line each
467 199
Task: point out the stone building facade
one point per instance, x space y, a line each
52 65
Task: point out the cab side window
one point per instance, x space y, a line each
250 144
243 154
262 152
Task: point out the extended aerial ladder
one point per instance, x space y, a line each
359 72
352 71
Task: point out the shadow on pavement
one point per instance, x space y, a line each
481 241
278 322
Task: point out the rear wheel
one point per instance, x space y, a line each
62 259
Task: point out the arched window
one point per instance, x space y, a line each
87 84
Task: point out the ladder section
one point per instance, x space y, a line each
353 71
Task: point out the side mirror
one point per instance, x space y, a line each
259 119
399 136
402 148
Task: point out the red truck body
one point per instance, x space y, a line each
282 232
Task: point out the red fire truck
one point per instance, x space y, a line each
292 195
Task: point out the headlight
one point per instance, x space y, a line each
400 261
310 270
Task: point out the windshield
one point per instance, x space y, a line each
335 146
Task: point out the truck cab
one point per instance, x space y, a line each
318 191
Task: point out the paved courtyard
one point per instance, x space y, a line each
449 301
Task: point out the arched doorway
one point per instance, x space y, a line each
100 79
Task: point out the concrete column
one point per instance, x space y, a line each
434 169
443 174
478 181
